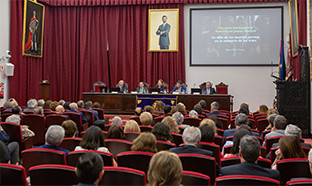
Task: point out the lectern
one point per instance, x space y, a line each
45 90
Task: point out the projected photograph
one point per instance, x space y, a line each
235 36
33 28
163 27
294 26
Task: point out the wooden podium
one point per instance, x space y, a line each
45 90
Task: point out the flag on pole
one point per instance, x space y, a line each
281 63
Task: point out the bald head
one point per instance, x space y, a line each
73 106
59 109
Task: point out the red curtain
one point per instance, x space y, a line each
75 48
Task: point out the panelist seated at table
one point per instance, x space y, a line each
208 89
142 88
122 86
161 86
179 88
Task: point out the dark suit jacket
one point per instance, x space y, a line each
212 91
230 132
191 149
247 168
162 88
123 89
164 38
145 90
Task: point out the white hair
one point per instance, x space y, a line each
293 130
193 114
62 102
191 135
54 135
178 116
13 119
73 106
41 102
117 120
32 103
214 105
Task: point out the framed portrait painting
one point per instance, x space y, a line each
163 30
293 15
33 28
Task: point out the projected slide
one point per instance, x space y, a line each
236 36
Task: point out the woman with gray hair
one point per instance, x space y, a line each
193 114
26 132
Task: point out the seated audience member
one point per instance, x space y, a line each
70 128
12 148
245 106
162 132
17 110
161 86
26 132
198 109
122 86
216 121
66 105
41 103
241 119
31 105
159 173
148 108
74 108
132 125
181 108
249 152
4 151
208 89
47 104
53 105
62 102
292 130
263 109
171 122
193 114
271 119
207 133
167 110
174 109
288 147
280 123
59 110
243 110
202 103
179 88
179 119
146 118
38 110
141 88
53 138
88 106
211 123
117 120
238 135
81 104
191 138
100 123
115 132
138 111
272 111
96 105
214 107
93 139
146 142
6 105
160 106
11 104
89 169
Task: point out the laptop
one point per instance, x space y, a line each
154 90
196 91
114 90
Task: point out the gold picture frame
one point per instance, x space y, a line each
163 30
33 25
293 15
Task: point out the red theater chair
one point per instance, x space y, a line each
36 123
70 143
123 176
304 182
116 146
135 160
245 180
194 178
12 175
74 156
164 145
293 168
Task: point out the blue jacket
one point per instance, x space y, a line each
164 38
183 89
191 149
83 119
54 148
95 114
4 136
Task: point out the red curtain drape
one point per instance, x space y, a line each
75 48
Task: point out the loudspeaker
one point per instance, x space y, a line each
9 69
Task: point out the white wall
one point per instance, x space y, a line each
5 7
252 85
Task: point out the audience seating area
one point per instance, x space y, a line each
40 164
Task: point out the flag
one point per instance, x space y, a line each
281 63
